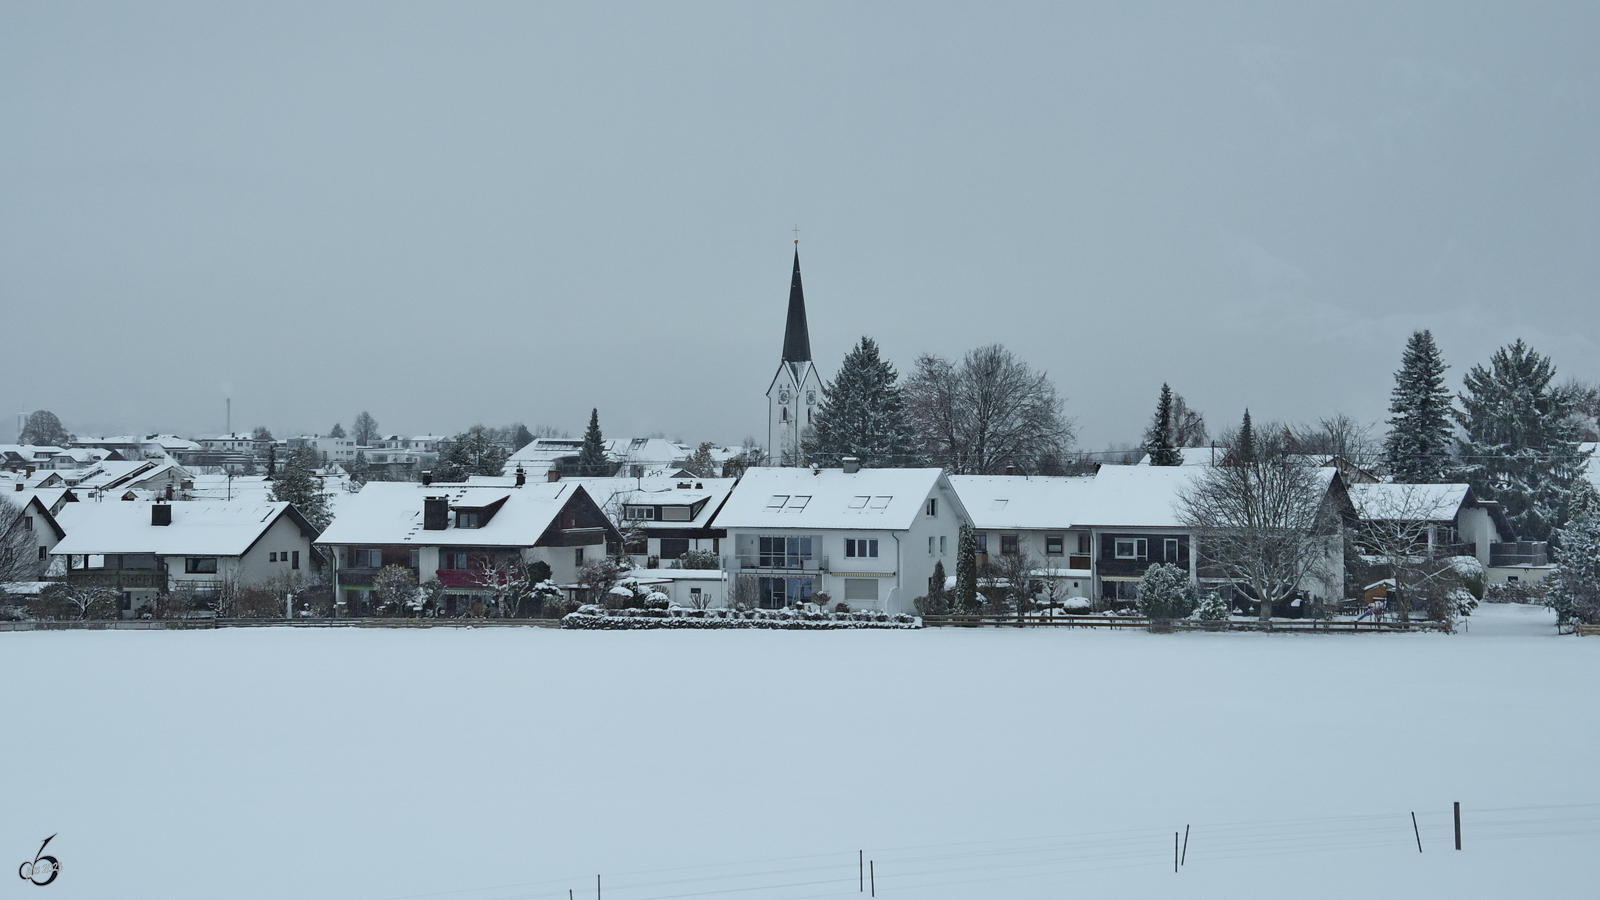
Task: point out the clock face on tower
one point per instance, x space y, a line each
783 396
811 397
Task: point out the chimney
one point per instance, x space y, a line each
427 477
169 491
30 472
161 514
20 486
553 475
435 514
522 477
852 465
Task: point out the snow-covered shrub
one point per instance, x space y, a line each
593 617
1516 592
657 600
1165 593
1574 586
1211 608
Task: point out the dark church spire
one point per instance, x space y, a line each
796 339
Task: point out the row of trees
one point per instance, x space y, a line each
977 415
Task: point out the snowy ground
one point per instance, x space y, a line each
512 763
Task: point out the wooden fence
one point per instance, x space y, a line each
209 623
1586 630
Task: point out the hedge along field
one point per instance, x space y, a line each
511 763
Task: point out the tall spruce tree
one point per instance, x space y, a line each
1520 446
337 431
472 452
592 455
1245 452
967 571
297 484
1417 450
863 414
1574 586
1158 441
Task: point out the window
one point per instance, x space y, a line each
942 544
880 502
1169 550
27 523
694 594
641 512
776 593
784 552
577 556
672 548
930 545
777 501
859 502
294 561
860 547
1054 545
1130 548
676 514
861 589
1008 545
200 565
272 557
1083 543
933 506
467 519
798 502
41 551
980 542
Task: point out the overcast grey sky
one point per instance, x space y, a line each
465 212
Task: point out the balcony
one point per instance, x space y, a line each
783 563
1519 553
119 579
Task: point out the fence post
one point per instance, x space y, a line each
1458 824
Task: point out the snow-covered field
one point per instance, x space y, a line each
510 763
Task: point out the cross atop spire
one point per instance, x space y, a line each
796 338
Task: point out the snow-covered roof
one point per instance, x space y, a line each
110 475
1194 456
197 529
874 499
1008 501
1409 502
390 512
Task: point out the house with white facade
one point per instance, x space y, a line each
458 533
866 537
1033 518
1443 520
141 549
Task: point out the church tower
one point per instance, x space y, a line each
795 391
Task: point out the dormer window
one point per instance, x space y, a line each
468 518
641 512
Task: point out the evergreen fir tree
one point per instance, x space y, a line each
1574 586
298 484
360 470
472 452
863 414
1158 438
337 431
1417 450
1245 452
272 462
936 583
592 455
967 571
1520 446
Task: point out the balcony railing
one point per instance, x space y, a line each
784 563
119 579
1520 553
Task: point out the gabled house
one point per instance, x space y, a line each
668 517
1031 518
141 549
1442 520
29 536
459 533
866 537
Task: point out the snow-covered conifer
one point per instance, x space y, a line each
1165 592
863 414
592 455
1574 587
297 483
967 571
1158 437
1417 450
1520 446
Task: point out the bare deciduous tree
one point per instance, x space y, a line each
1268 524
989 411
19 559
